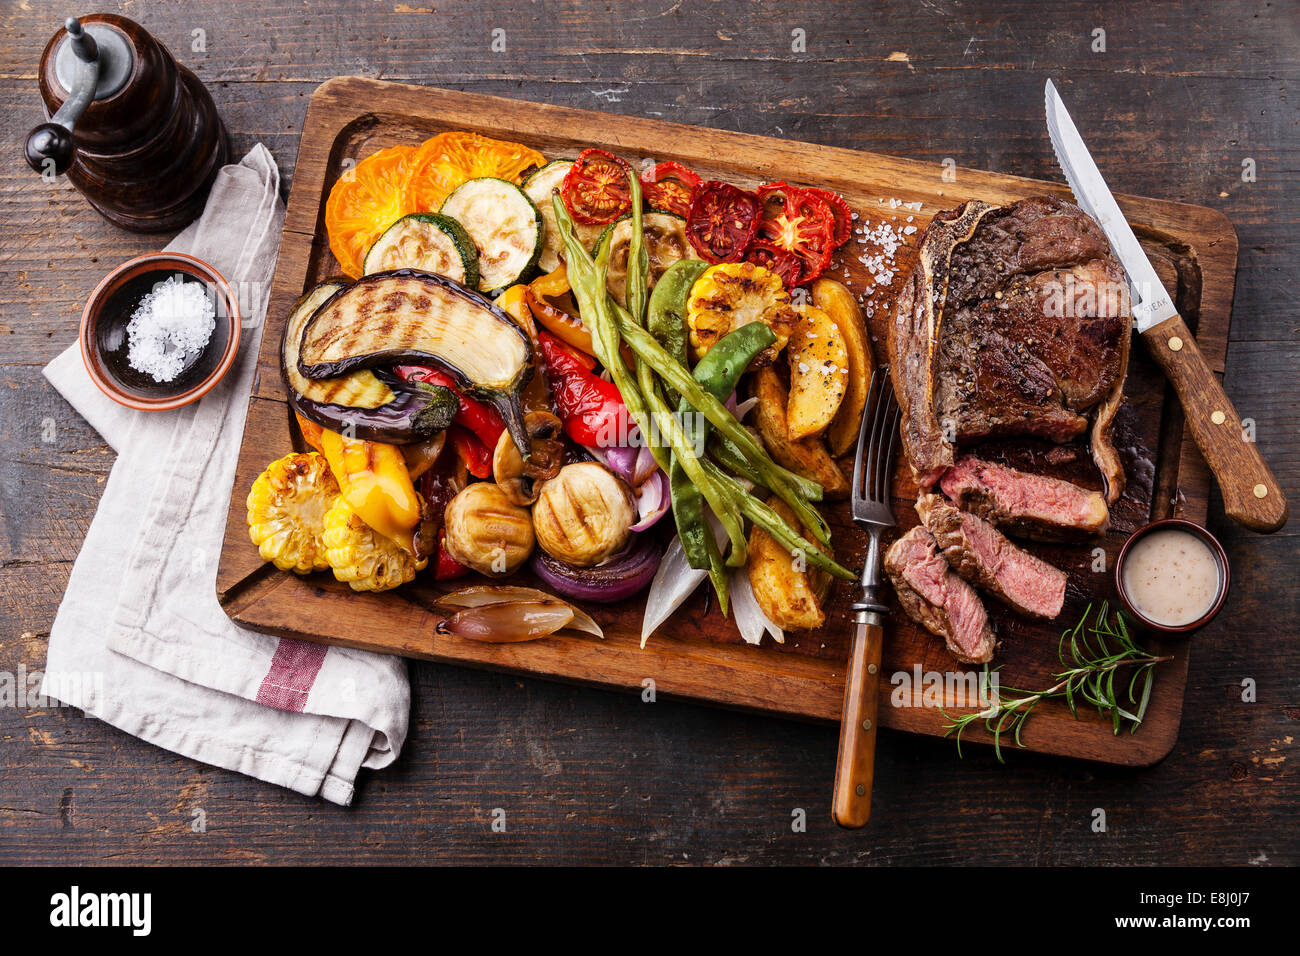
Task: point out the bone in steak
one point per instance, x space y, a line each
1034 505
1014 321
986 558
937 599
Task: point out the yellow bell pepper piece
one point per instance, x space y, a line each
564 326
512 303
373 479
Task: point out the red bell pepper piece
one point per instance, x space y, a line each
483 420
447 567
590 407
476 455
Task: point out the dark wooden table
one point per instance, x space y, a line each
1186 94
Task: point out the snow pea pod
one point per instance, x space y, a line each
717 373
666 319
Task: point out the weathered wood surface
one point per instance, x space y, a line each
698 653
1187 91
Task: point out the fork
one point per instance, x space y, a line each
872 474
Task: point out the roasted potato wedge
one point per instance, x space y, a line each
838 302
786 588
808 456
819 373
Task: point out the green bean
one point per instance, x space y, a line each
638 275
728 456
717 373
638 260
767 471
762 515
586 281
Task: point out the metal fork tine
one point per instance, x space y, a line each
868 416
886 479
872 451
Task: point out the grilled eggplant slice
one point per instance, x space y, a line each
410 317
377 406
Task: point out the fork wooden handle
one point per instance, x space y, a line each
857 760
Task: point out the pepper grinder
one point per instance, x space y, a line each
135 131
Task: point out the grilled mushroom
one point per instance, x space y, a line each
584 514
522 479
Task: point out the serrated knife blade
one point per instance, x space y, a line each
1151 303
1251 495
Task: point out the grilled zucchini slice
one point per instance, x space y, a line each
538 187
665 244
506 228
429 242
375 406
405 316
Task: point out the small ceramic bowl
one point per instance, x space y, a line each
104 341
1216 550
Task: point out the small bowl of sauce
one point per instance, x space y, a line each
1172 576
160 331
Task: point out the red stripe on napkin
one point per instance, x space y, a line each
291 675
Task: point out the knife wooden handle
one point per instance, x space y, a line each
856 766
1251 495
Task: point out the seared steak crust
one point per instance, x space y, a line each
1014 321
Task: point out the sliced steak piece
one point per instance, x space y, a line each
937 599
1014 321
1032 505
984 556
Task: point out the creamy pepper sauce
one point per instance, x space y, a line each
1171 577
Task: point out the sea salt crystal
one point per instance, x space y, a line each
172 323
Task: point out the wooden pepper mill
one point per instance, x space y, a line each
135 131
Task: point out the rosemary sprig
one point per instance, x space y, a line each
1092 654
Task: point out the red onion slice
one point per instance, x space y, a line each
652 500
622 576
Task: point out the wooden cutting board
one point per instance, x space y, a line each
698 655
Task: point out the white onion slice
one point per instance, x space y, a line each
675 581
750 619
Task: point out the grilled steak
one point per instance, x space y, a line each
983 556
937 599
1014 321
1033 505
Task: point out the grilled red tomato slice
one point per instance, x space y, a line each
668 187
772 257
596 189
843 214
799 222
722 220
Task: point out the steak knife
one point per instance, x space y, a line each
1251 495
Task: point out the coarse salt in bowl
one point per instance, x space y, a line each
160 331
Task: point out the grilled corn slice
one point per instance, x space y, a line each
361 556
286 511
733 294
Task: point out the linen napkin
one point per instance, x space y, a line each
140 640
